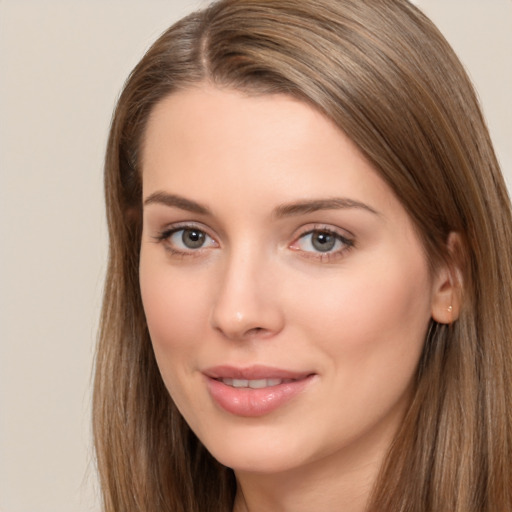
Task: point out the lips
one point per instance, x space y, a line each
256 390
254 383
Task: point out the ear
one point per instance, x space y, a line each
447 284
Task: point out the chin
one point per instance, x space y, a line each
256 454
262 463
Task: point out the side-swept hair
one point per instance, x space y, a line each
384 74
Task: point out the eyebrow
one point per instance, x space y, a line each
283 210
177 202
314 205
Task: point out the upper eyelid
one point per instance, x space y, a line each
347 241
328 228
177 226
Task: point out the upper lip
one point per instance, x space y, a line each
254 372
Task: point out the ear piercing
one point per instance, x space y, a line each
450 308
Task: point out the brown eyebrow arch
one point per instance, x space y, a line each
176 202
284 210
314 205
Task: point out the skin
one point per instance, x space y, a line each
260 292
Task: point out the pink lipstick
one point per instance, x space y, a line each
254 391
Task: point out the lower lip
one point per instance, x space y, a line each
250 402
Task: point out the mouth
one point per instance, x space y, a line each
254 391
254 383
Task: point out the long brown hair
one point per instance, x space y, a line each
385 75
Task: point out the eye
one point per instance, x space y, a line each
185 240
322 242
189 238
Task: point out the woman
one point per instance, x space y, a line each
308 297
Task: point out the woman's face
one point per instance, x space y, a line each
286 292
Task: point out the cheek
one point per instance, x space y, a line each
175 310
174 306
369 316
369 329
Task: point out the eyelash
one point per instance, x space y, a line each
328 256
165 235
324 257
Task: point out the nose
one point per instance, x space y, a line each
246 304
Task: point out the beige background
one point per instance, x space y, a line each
62 64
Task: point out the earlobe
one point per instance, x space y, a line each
447 285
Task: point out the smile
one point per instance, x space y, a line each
254 384
254 391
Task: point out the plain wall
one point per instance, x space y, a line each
62 64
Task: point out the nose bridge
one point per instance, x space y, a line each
244 304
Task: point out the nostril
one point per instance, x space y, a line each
255 331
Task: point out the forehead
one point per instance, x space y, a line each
219 133
227 118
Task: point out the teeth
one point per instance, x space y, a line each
253 384
275 382
258 384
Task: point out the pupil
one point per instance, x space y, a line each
323 242
193 239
